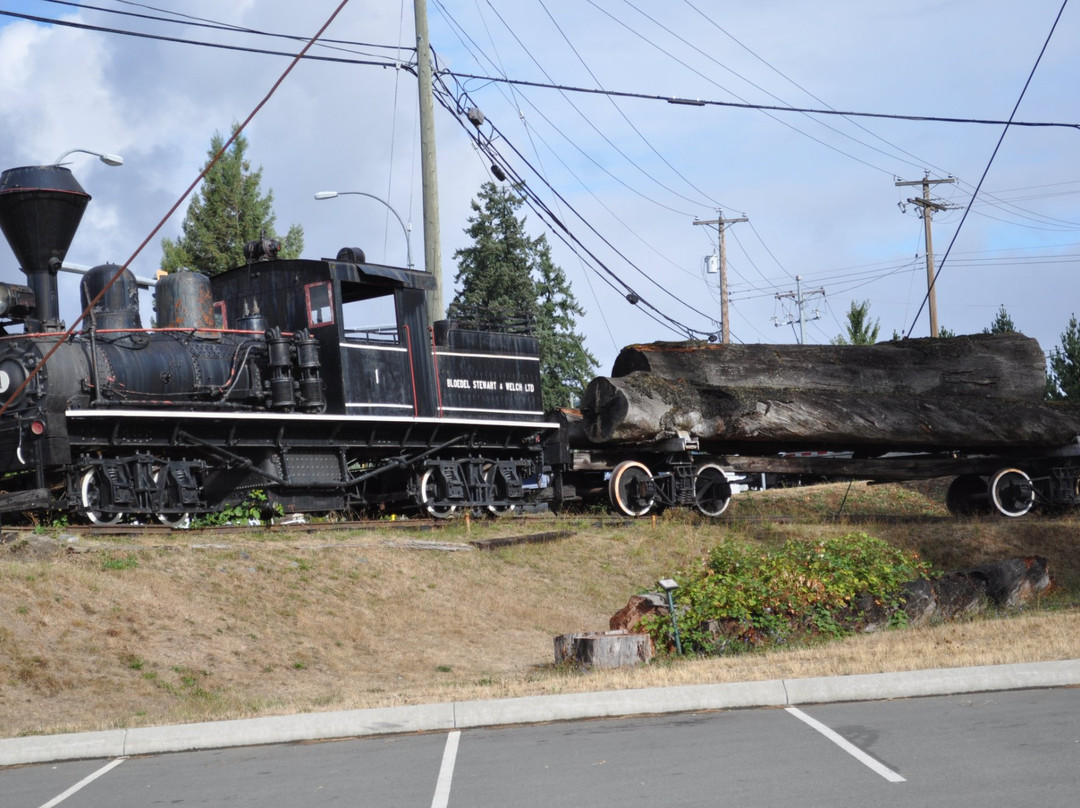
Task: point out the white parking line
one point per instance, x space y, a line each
84 782
446 771
847 746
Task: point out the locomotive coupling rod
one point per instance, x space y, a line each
243 462
398 462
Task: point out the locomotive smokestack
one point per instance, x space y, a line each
40 210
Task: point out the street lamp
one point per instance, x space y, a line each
107 159
669 586
404 227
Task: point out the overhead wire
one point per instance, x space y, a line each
595 128
179 18
720 64
237 131
915 161
463 35
197 42
990 162
622 113
514 83
454 104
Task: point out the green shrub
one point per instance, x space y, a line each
744 597
254 510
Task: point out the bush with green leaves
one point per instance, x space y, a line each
254 510
744 597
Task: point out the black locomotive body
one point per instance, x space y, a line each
271 376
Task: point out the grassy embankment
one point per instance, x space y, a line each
195 626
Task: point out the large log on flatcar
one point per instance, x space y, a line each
1008 366
642 408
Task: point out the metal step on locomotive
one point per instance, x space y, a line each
319 382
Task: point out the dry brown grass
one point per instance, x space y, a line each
134 633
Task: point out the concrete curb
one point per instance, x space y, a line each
535 709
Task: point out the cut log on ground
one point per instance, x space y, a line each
610 649
629 617
1009 366
644 409
1003 584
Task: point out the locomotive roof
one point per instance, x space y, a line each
380 274
359 280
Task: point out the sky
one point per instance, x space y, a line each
586 121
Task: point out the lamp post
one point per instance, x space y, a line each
404 227
107 159
669 586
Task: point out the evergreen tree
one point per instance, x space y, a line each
1063 380
860 331
228 211
1002 323
507 271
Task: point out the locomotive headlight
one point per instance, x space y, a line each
11 376
37 427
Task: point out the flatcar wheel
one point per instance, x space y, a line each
1011 492
967 495
712 491
429 495
90 499
631 489
177 521
496 485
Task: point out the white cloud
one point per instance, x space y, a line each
821 203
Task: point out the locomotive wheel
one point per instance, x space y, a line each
712 491
177 521
90 498
497 486
630 488
967 495
1011 492
429 494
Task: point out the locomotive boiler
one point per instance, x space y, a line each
319 382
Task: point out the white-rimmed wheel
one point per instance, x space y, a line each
1011 492
90 497
631 489
178 521
498 489
712 491
430 493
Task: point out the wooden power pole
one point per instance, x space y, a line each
725 331
928 207
428 168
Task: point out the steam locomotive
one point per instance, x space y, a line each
325 385
256 378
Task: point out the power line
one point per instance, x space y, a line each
697 102
990 162
702 102
201 43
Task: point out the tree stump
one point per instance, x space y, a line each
609 649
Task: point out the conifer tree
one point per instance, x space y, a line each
228 211
1002 324
1063 379
860 331
507 271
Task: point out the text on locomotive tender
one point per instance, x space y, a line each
483 384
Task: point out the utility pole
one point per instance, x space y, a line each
928 207
725 331
428 169
800 305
